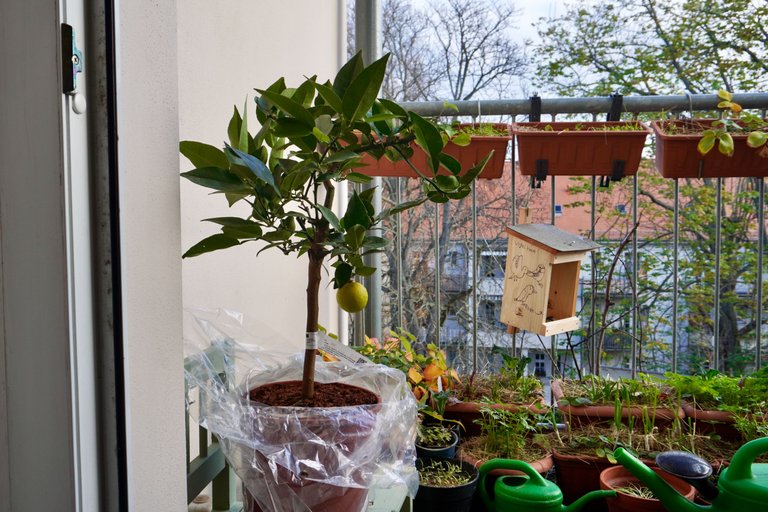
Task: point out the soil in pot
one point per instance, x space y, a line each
618 478
345 432
450 491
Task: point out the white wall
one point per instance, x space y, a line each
147 124
226 49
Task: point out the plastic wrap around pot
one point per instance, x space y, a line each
290 458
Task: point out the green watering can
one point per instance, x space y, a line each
742 486
530 493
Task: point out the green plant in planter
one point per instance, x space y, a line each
312 137
737 121
443 473
434 436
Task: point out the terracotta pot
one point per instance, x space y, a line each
618 476
579 149
677 156
578 416
707 421
468 412
467 156
348 430
579 474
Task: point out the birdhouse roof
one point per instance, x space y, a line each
551 238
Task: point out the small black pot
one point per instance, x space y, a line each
446 499
446 452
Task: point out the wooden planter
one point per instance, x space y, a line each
467 156
579 149
468 412
578 416
677 156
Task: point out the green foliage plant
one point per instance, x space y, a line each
736 121
443 473
434 436
506 432
311 138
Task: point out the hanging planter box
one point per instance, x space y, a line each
610 148
467 156
677 155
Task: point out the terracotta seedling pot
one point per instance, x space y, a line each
618 476
468 412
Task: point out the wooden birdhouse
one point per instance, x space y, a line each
541 280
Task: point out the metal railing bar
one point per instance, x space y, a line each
474 278
593 284
675 262
635 272
400 262
437 274
602 104
718 222
760 251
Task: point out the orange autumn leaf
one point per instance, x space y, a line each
418 392
415 375
432 372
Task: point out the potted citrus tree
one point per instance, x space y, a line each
312 137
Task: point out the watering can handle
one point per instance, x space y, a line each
741 464
534 477
518 465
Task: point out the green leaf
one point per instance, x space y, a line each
346 74
355 236
450 163
357 212
233 129
203 155
726 144
279 235
331 217
304 93
400 208
446 183
319 135
341 156
242 141
342 275
394 108
330 96
291 127
289 106
707 142
356 177
212 243
429 138
365 271
361 93
294 180
259 168
475 171
375 242
215 178
756 139
462 139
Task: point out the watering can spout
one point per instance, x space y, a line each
579 503
670 498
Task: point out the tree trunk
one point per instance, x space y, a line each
313 311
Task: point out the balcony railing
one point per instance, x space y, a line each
445 285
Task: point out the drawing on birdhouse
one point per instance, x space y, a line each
541 279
